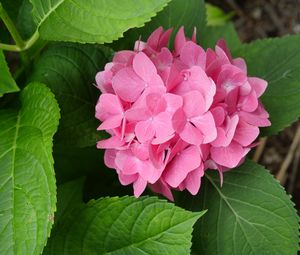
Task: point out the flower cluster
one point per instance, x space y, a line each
173 114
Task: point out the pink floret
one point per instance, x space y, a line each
173 114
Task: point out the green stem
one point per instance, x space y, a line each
20 44
9 47
26 45
11 27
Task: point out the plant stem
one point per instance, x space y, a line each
20 44
26 45
11 27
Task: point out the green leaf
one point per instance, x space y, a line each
178 13
25 23
125 226
216 16
249 214
277 61
12 7
27 181
7 83
69 70
69 195
210 35
91 21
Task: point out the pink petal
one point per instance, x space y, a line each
127 162
137 114
185 162
193 104
228 156
245 133
164 59
249 102
128 85
193 180
143 67
174 102
218 114
194 35
153 39
179 41
221 138
193 55
164 39
174 77
139 46
109 103
109 158
156 103
191 134
179 120
197 79
110 143
162 124
127 179
231 77
124 57
103 80
240 63
144 130
162 188
156 81
259 85
148 172
222 44
140 150
206 124
253 119
110 123
139 186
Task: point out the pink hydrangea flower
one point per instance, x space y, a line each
174 114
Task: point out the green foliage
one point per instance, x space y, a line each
124 226
27 182
250 214
25 22
210 35
91 21
69 195
178 13
277 61
216 16
7 83
69 70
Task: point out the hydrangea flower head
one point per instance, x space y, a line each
173 114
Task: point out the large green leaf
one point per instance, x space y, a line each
7 83
178 13
210 35
12 7
96 21
25 23
249 214
69 70
69 195
27 182
277 61
125 225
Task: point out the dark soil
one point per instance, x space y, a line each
257 19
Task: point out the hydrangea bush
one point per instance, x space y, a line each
165 167
173 115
